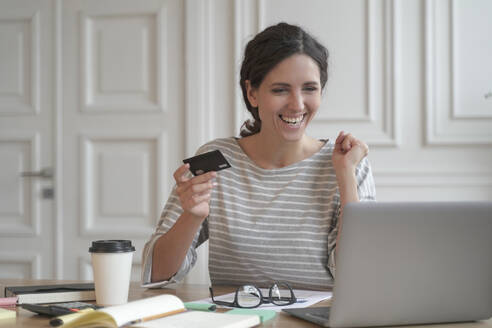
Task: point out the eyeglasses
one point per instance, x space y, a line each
249 296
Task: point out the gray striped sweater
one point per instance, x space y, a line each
266 225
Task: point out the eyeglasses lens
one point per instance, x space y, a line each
280 294
248 296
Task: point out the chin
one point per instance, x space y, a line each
293 137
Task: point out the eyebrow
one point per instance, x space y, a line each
312 82
280 84
283 84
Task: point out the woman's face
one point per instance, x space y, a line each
288 97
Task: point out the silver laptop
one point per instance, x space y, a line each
410 263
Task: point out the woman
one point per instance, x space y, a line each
275 214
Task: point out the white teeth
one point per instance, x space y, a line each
292 120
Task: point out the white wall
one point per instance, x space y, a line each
411 78
389 84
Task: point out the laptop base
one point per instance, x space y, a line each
318 315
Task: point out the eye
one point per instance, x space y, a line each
310 89
279 90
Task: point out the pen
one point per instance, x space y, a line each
153 317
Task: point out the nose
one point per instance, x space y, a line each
296 101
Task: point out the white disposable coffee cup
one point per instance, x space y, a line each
111 265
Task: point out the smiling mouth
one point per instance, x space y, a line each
292 120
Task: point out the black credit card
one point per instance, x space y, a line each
211 161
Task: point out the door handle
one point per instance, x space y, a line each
45 173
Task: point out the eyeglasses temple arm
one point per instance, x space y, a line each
230 304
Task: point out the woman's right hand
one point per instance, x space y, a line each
194 193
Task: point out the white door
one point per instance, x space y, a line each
27 216
123 114
91 101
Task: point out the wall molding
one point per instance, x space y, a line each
58 142
33 260
250 19
455 114
444 126
438 179
88 228
200 114
32 100
88 78
32 226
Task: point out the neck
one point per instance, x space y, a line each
271 153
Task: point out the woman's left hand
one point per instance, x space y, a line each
348 153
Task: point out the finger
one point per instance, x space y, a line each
360 144
347 142
206 192
365 147
338 141
180 174
186 183
204 177
199 183
338 148
201 187
188 198
359 151
187 190
340 137
197 199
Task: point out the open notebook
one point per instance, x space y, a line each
159 311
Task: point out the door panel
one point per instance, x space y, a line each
123 118
27 246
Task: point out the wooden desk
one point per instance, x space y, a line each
186 293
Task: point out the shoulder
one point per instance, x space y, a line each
222 144
326 150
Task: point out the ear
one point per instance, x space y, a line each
252 94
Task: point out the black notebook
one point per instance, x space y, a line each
52 293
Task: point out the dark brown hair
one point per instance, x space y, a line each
265 51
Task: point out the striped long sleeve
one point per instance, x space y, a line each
267 225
